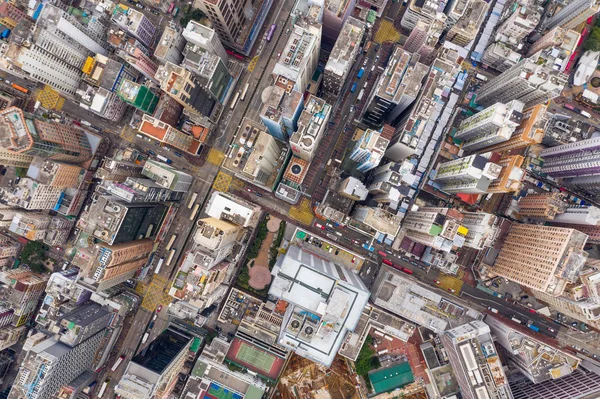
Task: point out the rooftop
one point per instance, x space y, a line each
402 76
391 378
346 47
162 351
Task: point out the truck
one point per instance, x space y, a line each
86 123
145 338
493 310
586 114
361 72
534 328
353 89
481 77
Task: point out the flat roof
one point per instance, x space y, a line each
161 352
390 378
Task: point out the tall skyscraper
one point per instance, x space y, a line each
510 176
579 384
335 14
519 24
135 23
543 258
204 37
542 206
475 361
342 58
311 128
397 88
493 125
237 23
369 149
472 174
470 18
573 160
572 14
528 81
500 56
530 131
438 228
22 134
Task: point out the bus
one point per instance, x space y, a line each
171 241
353 88
117 363
271 31
243 96
20 88
175 12
103 389
236 55
164 159
160 263
516 320
171 255
534 328
171 7
195 211
192 200
360 95
360 73
145 338
235 100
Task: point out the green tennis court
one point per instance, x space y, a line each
253 356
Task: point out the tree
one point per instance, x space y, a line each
366 360
592 43
32 255
194 15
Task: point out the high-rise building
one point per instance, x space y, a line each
204 37
156 129
62 43
210 71
140 61
236 210
369 150
427 12
352 188
118 169
23 134
281 111
311 128
55 174
523 350
26 289
113 264
475 361
167 176
423 38
31 195
579 384
510 176
328 291
552 38
374 221
388 184
9 249
493 125
417 126
215 238
542 206
153 373
115 221
185 87
500 56
170 46
53 230
530 131
237 23
52 362
135 23
472 174
138 95
575 160
254 157
300 56
397 88
483 229
342 58
543 258
528 81
468 24
519 24
335 14
572 14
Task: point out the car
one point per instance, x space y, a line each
155 317
278 55
155 12
452 290
138 5
595 356
219 329
329 225
337 251
437 281
353 259
495 285
508 295
287 31
258 194
532 310
330 249
177 154
576 347
551 329
151 152
151 326
574 324
320 226
1 79
159 308
523 297
156 143
248 189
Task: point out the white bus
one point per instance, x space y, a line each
171 255
243 96
171 241
360 95
195 211
160 263
192 200
103 389
235 100
117 363
516 320
145 338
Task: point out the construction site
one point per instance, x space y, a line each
304 379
